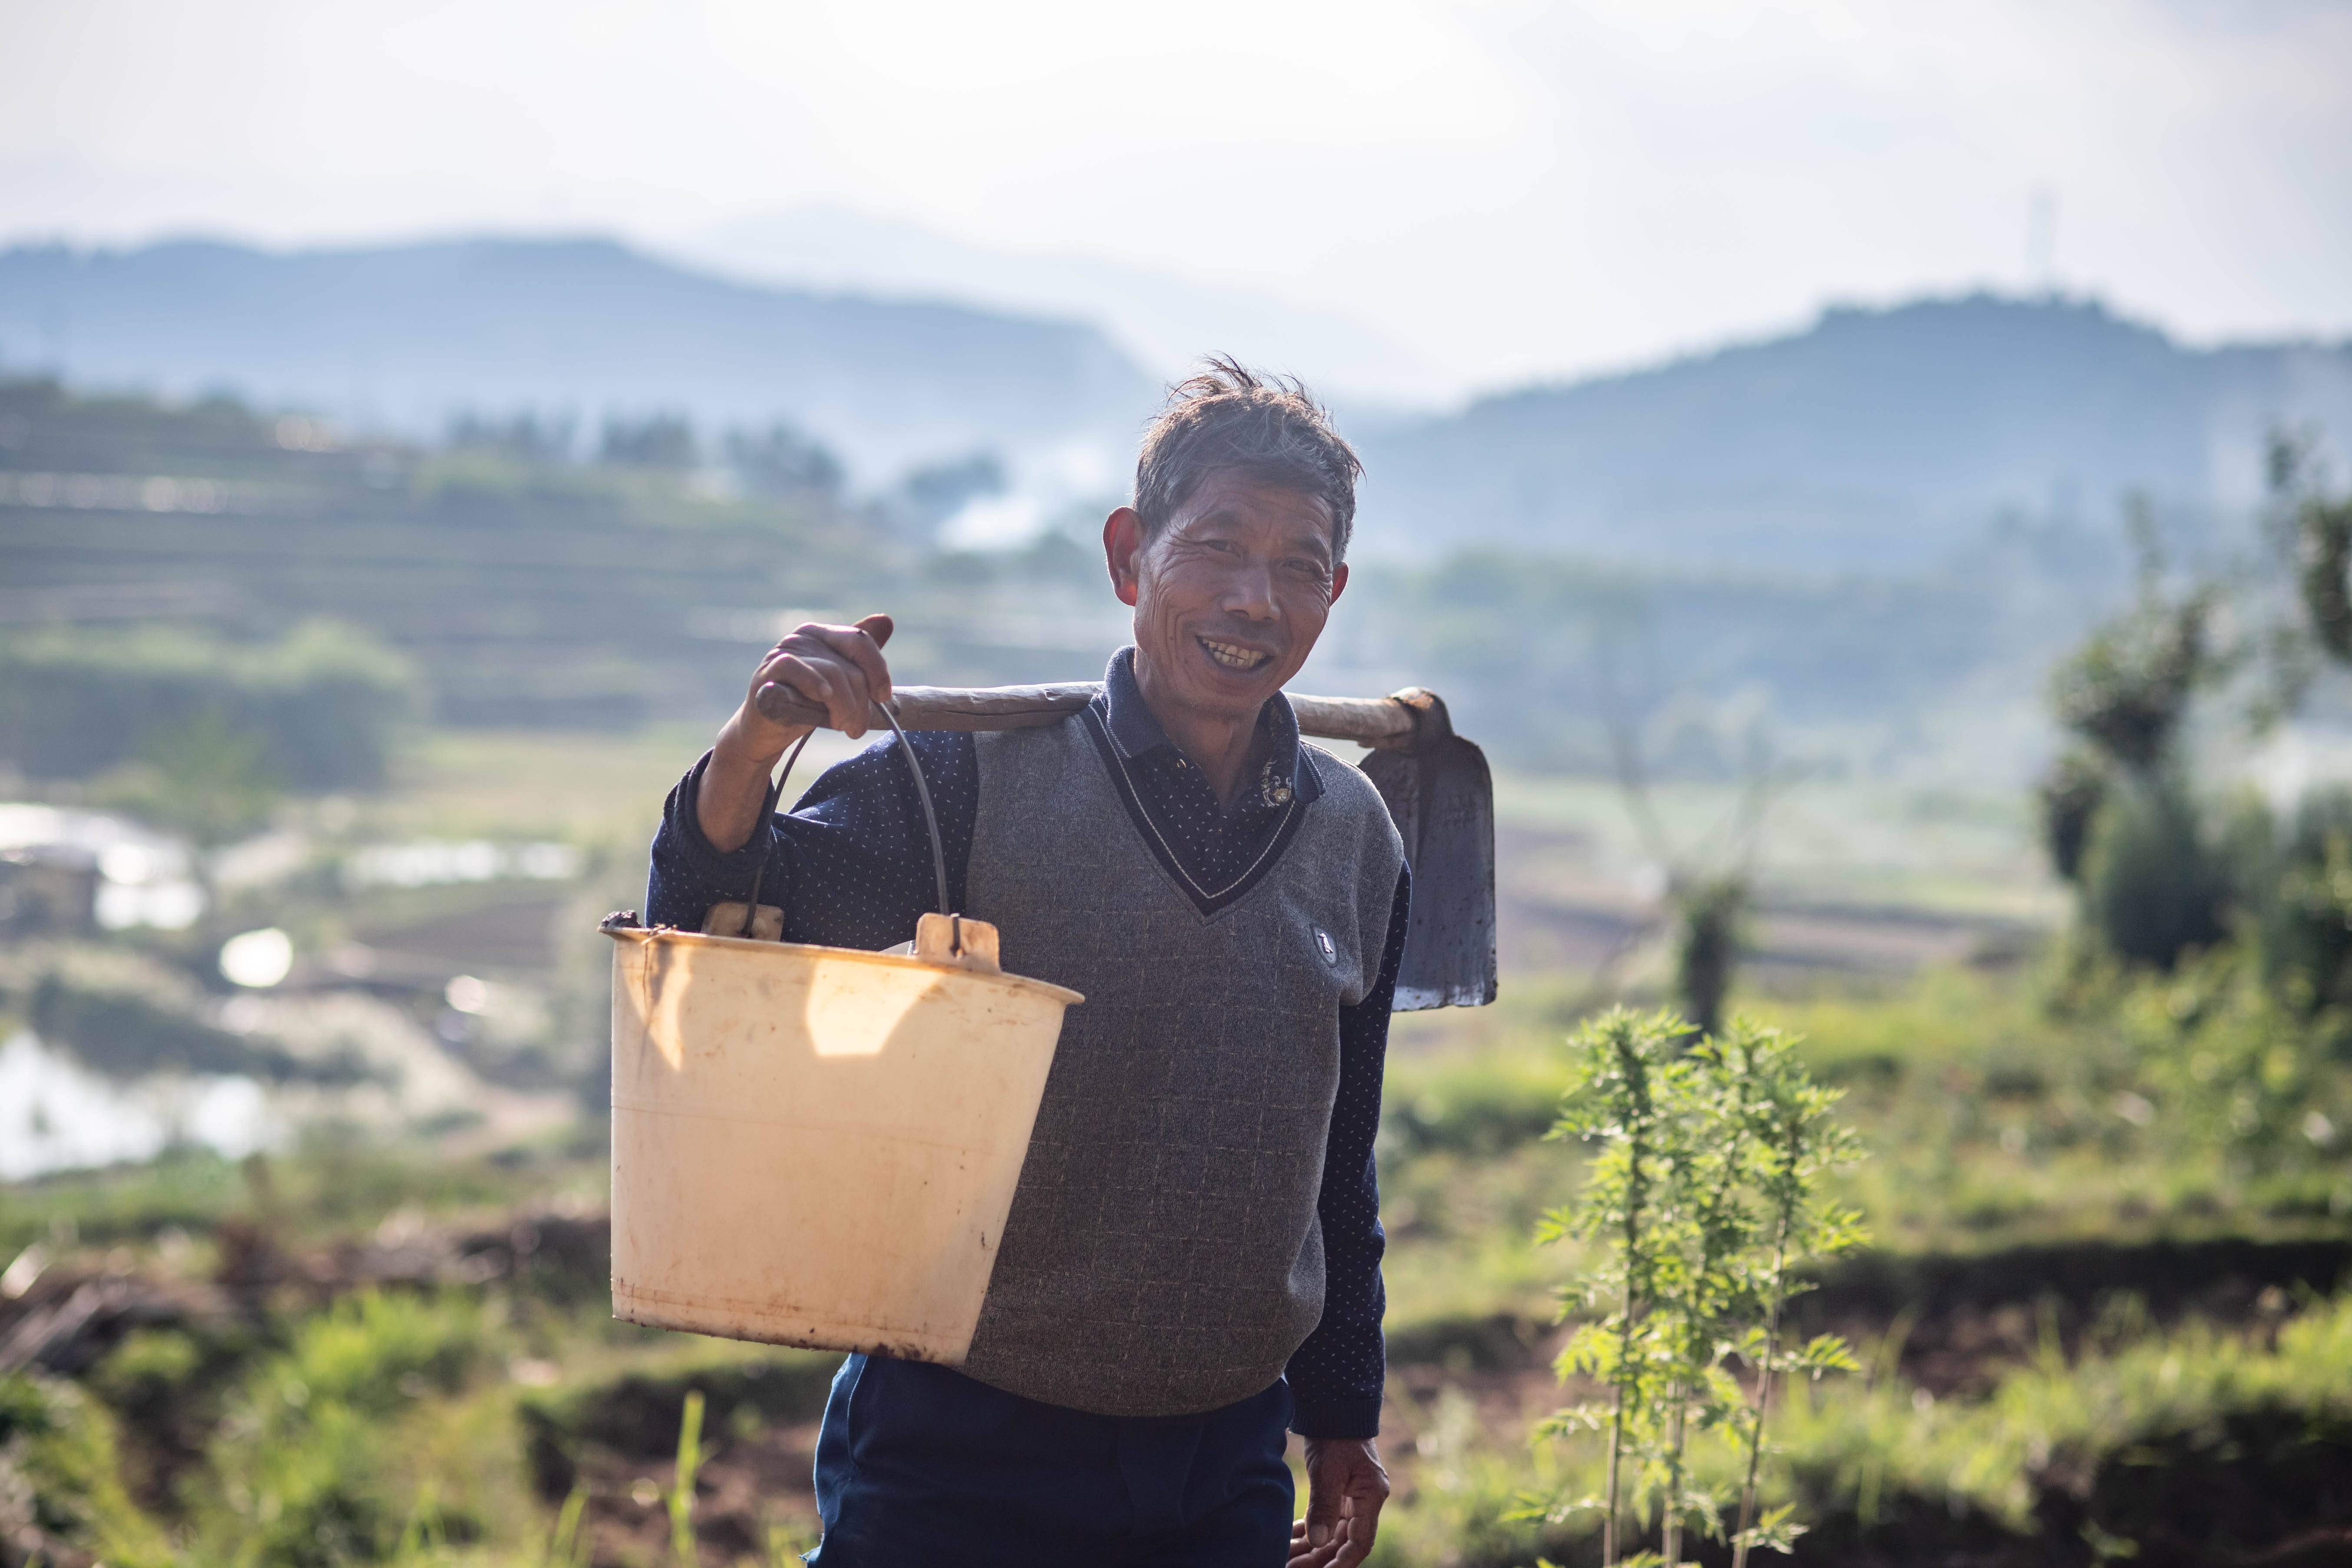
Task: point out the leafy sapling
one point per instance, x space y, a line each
1704 1193
1628 1087
1710 1226
1798 1141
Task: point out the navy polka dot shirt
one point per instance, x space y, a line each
851 867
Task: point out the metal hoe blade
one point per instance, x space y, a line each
1442 798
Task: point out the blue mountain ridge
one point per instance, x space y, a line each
1875 437
407 335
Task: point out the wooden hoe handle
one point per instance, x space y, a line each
1410 720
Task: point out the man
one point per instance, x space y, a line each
1192 1258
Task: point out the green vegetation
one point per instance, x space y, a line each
538 576
1704 1195
2097 1441
2079 1173
321 708
2048 1141
61 1490
2193 1445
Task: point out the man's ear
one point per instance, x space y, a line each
1122 548
1338 582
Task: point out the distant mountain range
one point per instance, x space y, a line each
1163 322
407 335
1873 439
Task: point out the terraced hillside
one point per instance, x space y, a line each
531 592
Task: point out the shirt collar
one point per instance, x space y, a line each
1137 733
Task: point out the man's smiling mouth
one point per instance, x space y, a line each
1232 656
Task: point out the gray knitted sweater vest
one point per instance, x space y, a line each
1163 1254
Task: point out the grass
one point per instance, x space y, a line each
1928 847
325 1451
387 1425
581 788
2190 1445
60 1470
1994 1122
457 1425
2105 1443
454 1425
337 1184
2003 1126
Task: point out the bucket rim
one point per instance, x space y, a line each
1063 993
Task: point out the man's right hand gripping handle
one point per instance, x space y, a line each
839 669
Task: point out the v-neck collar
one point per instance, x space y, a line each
1131 742
1136 733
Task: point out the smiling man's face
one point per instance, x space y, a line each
1230 596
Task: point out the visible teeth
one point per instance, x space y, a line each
1234 657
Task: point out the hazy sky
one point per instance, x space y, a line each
1512 189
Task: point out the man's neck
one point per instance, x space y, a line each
1228 752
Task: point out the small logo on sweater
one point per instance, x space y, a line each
1325 946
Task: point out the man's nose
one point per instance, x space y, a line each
1250 593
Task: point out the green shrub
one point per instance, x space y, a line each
61 1490
2153 885
304 1474
2232 1068
319 708
2070 795
2183 1447
2295 880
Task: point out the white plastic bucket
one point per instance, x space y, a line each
815 1145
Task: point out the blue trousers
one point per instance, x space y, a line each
919 1465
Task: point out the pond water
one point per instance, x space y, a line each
56 1114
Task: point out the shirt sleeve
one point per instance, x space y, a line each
850 865
1337 1375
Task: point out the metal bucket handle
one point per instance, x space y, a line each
930 818
930 825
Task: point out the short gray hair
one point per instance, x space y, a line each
1266 427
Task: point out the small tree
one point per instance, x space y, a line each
2317 528
1796 1142
1628 1083
1713 912
202 776
2117 814
780 462
1709 903
1705 1194
1705 1286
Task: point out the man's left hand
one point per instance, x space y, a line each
1345 1489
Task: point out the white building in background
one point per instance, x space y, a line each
143 878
